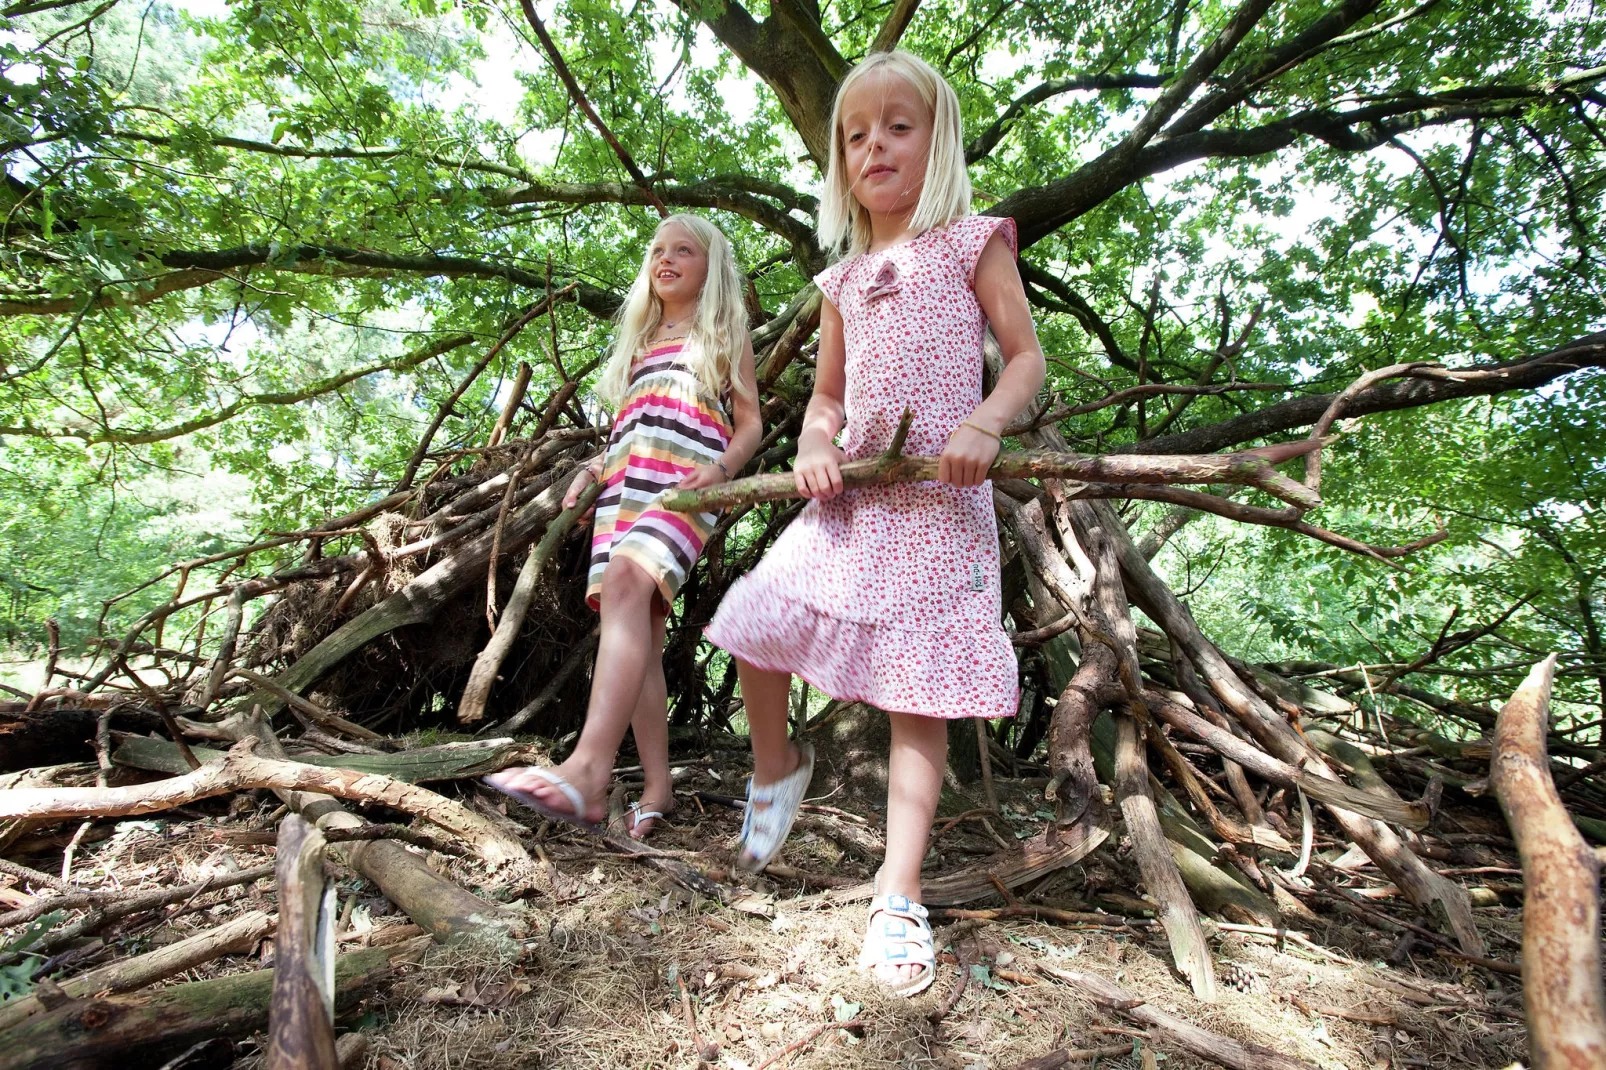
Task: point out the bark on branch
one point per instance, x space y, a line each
1561 960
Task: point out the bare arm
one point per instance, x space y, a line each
970 452
819 462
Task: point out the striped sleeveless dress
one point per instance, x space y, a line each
667 425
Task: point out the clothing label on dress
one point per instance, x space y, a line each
978 581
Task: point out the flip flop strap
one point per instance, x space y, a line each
577 802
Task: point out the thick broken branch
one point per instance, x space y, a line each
1561 960
241 770
301 1027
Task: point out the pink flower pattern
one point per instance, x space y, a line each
890 594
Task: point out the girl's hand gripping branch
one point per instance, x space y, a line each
584 476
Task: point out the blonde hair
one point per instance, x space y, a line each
844 222
713 346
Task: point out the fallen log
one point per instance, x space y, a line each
1022 864
435 904
144 1028
1189 951
241 770
445 761
1169 1029
235 936
1561 959
301 1025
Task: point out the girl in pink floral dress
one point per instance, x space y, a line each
890 594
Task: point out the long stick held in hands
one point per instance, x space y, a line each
1253 468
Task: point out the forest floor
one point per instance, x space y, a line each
624 968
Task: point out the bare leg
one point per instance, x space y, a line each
767 696
625 653
914 783
649 724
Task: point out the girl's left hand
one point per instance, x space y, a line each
704 475
969 455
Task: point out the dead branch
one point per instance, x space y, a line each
325 718
1561 959
1171 1029
489 661
1323 789
242 770
1189 951
141 1029
301 1027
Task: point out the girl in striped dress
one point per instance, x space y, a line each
681 381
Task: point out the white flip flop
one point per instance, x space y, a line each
554 778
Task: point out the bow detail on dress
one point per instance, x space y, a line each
885 283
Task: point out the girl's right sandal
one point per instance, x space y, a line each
899 935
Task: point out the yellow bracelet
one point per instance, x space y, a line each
978 427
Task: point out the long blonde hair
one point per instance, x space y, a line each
718 330
844 222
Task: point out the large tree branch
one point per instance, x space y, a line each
576 94
195 268
989 138
1295 50
1529 373
723 194
793 56
326 385
303 152
1203 66
1040 210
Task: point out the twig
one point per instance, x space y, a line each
959 931
54 630
577 95
808 1038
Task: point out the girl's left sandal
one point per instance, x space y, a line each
898 934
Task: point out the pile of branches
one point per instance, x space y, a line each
457 601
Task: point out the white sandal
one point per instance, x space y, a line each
553 777
764 831
898 934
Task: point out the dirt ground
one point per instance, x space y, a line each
623 968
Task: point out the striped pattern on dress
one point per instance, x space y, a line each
667 425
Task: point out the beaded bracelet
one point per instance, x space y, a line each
722 468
